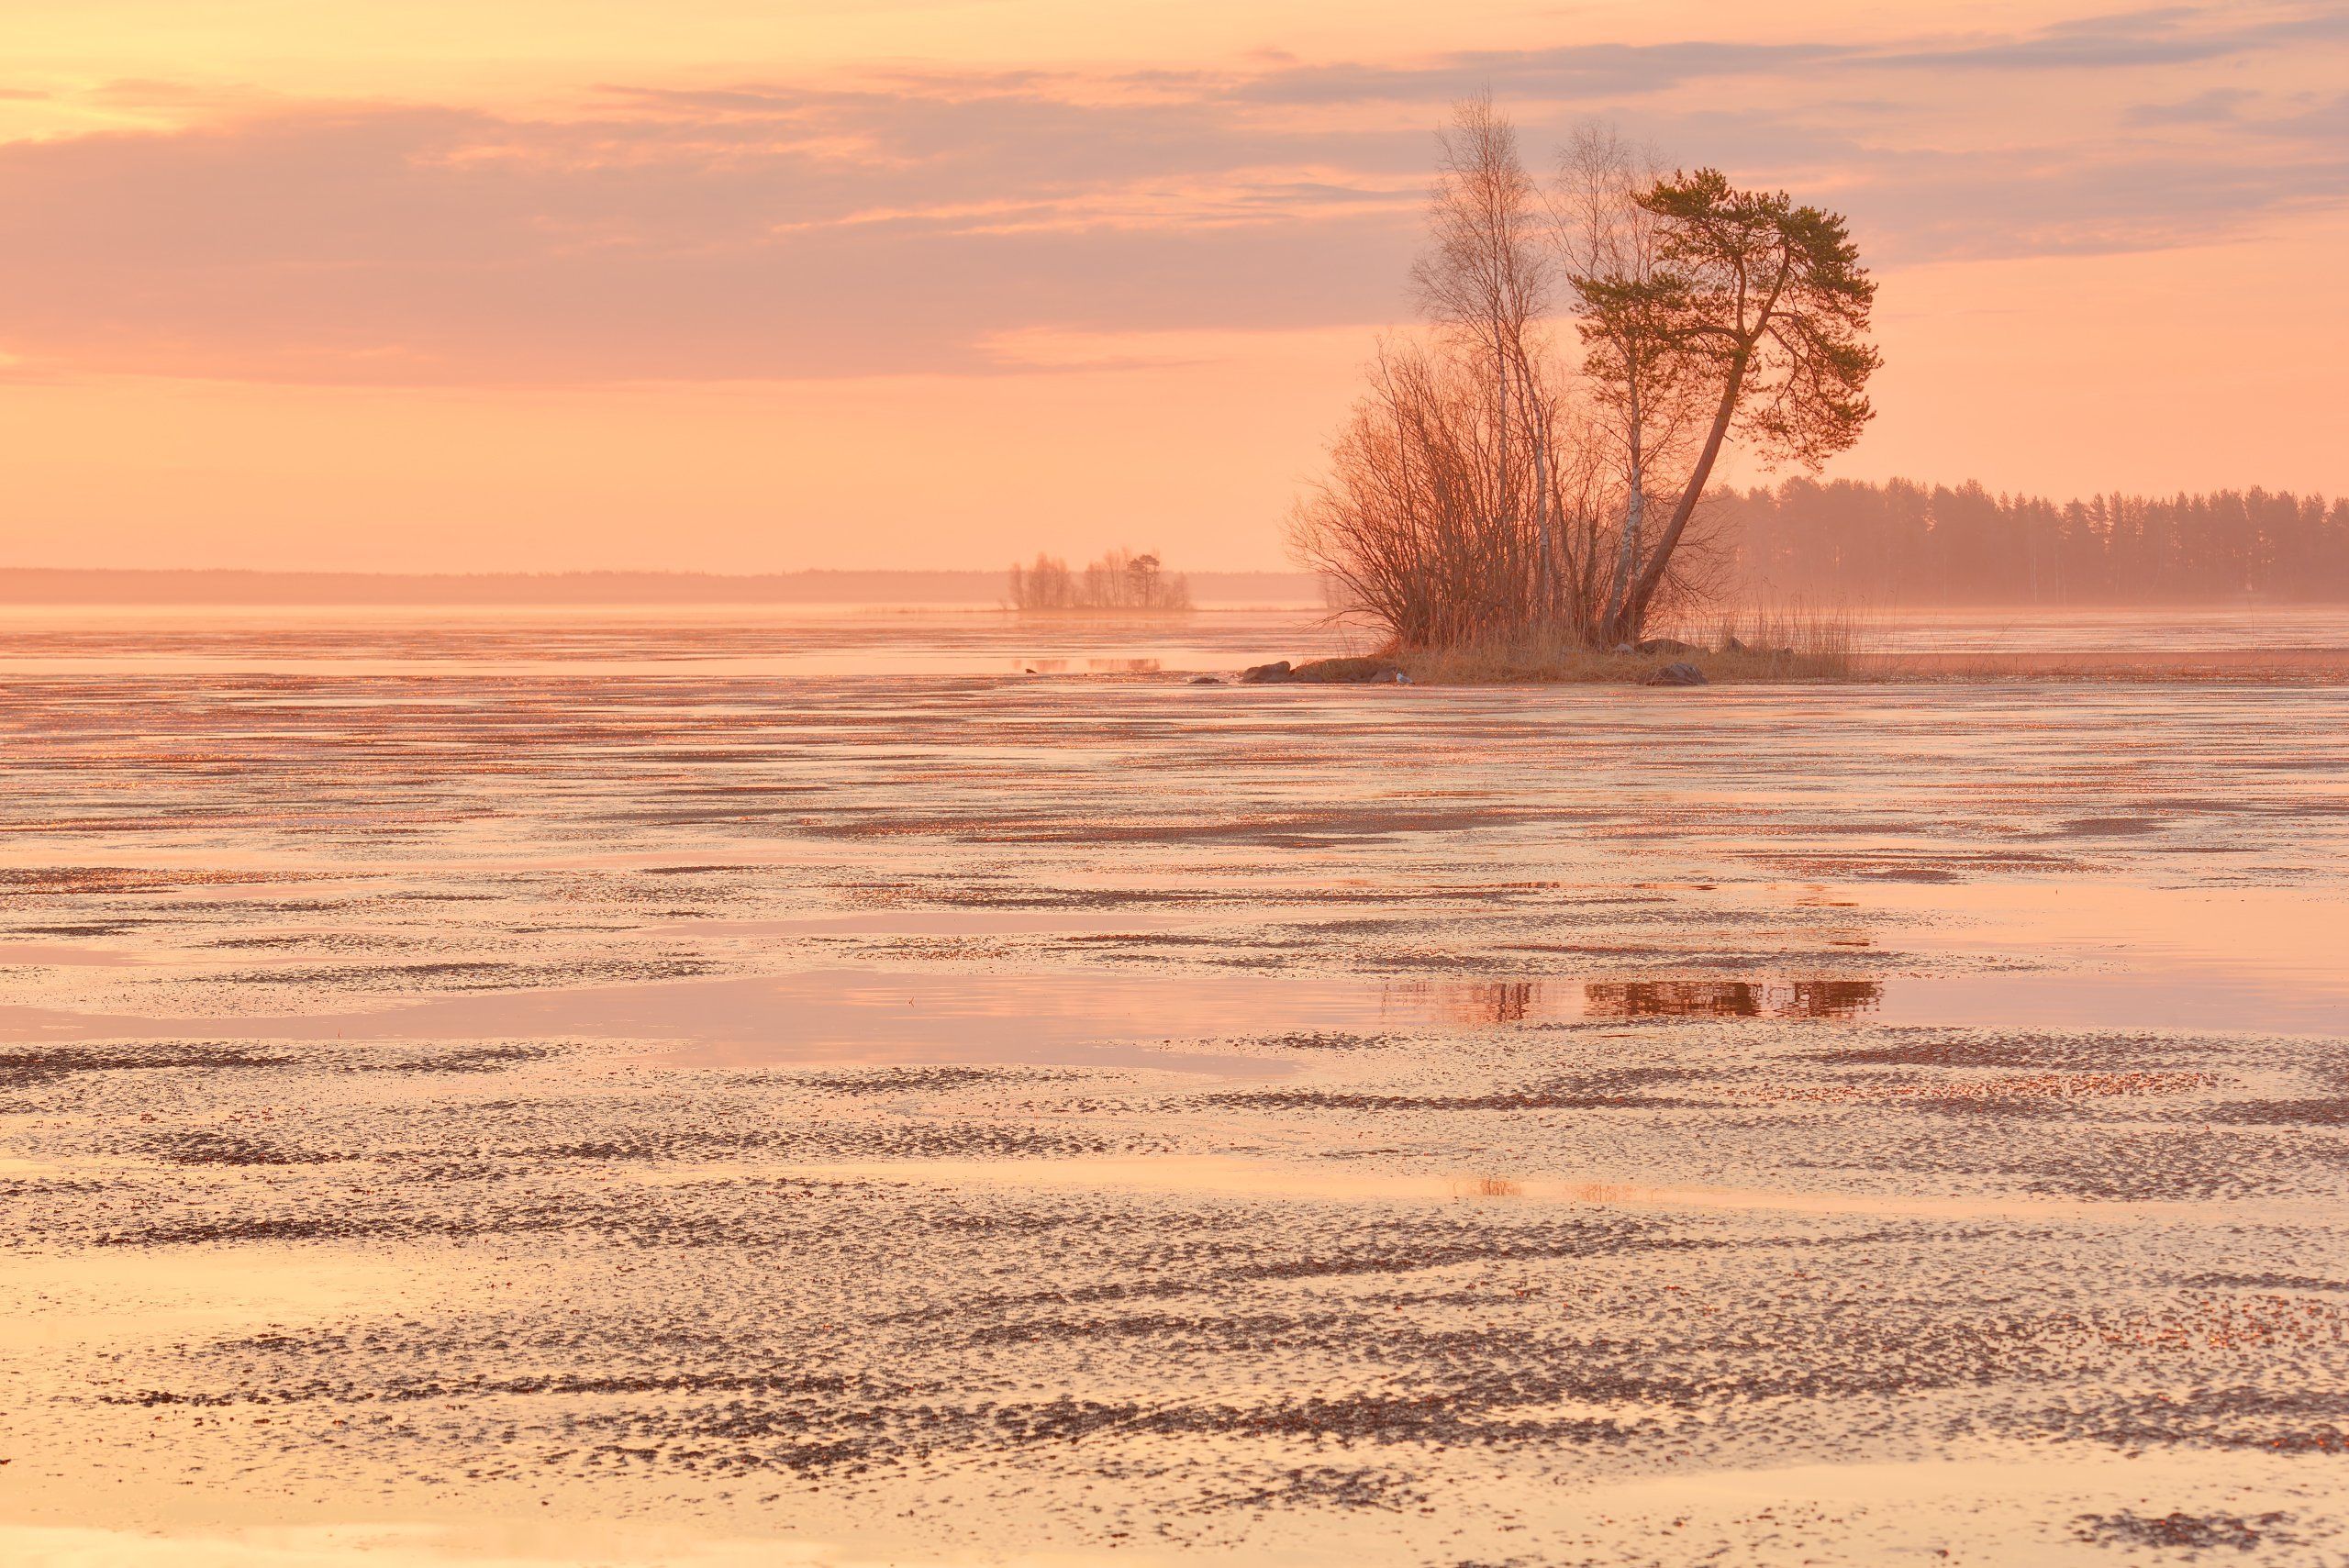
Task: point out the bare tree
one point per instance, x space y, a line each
1117 579
1486 277
1043 585
1461 503
1610 246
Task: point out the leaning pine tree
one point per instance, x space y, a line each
1481 491
1754 306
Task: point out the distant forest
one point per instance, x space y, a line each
1900 542
1893 544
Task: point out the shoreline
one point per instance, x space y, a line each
2294 666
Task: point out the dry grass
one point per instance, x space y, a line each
2286 666
1777 644
1800 646
1827 637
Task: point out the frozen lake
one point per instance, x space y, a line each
732 1078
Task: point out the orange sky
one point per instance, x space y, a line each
716 285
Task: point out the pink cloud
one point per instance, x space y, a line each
914 221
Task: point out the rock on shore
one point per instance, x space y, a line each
1326 671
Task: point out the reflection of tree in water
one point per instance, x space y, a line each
1466 1003
1732 998
1473 1002
1118 666
1507 1002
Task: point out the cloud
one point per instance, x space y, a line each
2162 36
2216 106
1579 72
407 244
922 219
2325 121
2041 203
2167 36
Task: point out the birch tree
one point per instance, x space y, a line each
1486 279
1608 247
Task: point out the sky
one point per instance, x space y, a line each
725 285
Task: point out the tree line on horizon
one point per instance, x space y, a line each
1902 543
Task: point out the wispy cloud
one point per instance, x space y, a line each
921 219
2216 106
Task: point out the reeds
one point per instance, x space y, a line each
1821 641
1746 643
1798 643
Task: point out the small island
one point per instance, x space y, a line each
1497 509
1117 582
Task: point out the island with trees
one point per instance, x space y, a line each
1117 582
1490 496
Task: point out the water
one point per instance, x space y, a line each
478 826
741 1075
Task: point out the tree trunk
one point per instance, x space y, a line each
1544 589
1500 433
1635 511
1635 607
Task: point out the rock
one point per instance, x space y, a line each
1402 677
1676 675
1668 645
1205 681
1622 648
1352 670
1262 674
1731 645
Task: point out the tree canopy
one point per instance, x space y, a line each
1756 306
1483 487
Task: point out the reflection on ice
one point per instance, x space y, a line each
1178 1019
1741 1221
1344 1181
1116 666
1733 998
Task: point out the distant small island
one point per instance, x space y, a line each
1118 581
